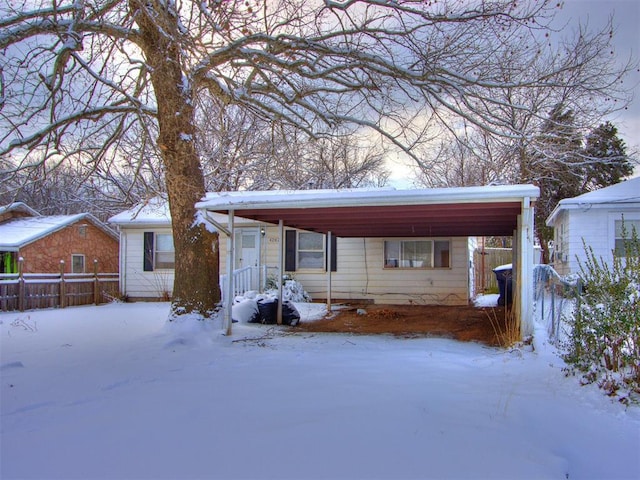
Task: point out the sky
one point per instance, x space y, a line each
626 41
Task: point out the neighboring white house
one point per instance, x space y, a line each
595 218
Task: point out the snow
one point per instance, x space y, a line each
17 232
154 211
117 392
608 197
502 268
622 192
489 300
240 200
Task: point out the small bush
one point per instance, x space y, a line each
292 290
604 334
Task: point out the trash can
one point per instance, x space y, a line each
504 275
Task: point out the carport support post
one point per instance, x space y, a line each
525 267
329 259
228 321
280 270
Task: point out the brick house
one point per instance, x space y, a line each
44 241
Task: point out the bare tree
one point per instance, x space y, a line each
583 75
465 159
336 161
76 74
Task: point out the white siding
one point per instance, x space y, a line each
135 282
361 276
597 227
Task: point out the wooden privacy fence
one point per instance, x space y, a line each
28 291
484 261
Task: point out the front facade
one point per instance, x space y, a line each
594 219
51 244
382 270
391 270
382 246
400 246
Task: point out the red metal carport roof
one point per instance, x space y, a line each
463 211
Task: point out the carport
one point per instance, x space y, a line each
505 210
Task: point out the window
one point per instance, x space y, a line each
307 250
8 262
416 253
624 234
165 253
310 250
159 252
77 263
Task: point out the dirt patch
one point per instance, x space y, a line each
469 324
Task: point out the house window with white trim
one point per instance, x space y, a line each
165 255
310 250
77 263
159 252
624 233
423 253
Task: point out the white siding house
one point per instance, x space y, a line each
359 266
393 246
381 245
141 277
594 219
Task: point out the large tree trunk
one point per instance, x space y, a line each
196 288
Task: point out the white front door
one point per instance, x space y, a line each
247 248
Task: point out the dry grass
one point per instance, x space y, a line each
507 329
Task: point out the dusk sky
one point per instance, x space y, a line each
626 19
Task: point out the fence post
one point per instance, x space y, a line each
21 284
96 285
63 292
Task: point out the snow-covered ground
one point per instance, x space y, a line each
113 392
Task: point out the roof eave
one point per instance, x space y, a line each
393 198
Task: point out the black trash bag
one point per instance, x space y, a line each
268 308
290 314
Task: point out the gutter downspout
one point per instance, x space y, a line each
217 224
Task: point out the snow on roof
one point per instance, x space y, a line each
621 193
18 232
363 196
154 211
19 207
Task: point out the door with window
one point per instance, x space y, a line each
247 244
247 253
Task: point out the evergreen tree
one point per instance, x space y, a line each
605 157
555 167
563 168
